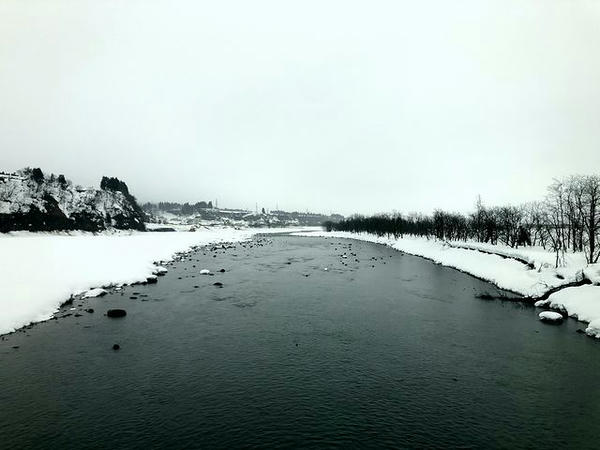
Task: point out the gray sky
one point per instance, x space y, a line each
323 105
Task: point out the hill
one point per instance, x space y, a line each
31 201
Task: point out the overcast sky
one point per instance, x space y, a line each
321 105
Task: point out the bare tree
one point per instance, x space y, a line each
590 210
534 222
555 220
574 193
478 220
567 220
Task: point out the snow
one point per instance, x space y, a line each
159 270
205 272
582 302
550 316
96 292
173 226
538 256
39 271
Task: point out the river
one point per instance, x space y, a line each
379 350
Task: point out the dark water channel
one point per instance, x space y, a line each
287 354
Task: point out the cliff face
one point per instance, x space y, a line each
30 201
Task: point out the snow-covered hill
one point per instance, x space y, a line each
31 201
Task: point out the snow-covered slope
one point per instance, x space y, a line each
27 203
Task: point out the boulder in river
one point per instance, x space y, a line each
152 279
218 284
551 317
160 271
116 347
205 272
116 313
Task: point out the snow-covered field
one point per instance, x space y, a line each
579 302
39 271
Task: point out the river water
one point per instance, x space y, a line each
387 351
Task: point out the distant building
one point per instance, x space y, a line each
5 176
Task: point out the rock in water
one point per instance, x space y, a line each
152 279
116 346
160 271
551 317
205 272
218 284
116 313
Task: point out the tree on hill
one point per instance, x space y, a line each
37 175
116 185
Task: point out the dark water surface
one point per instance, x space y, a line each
401 355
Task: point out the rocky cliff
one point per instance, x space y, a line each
34 202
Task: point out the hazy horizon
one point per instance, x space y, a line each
342 107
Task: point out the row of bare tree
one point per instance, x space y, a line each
567 219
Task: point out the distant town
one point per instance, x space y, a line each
205 214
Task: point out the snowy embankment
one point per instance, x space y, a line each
495 263
40 271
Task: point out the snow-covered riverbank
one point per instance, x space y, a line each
507 273
39 271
